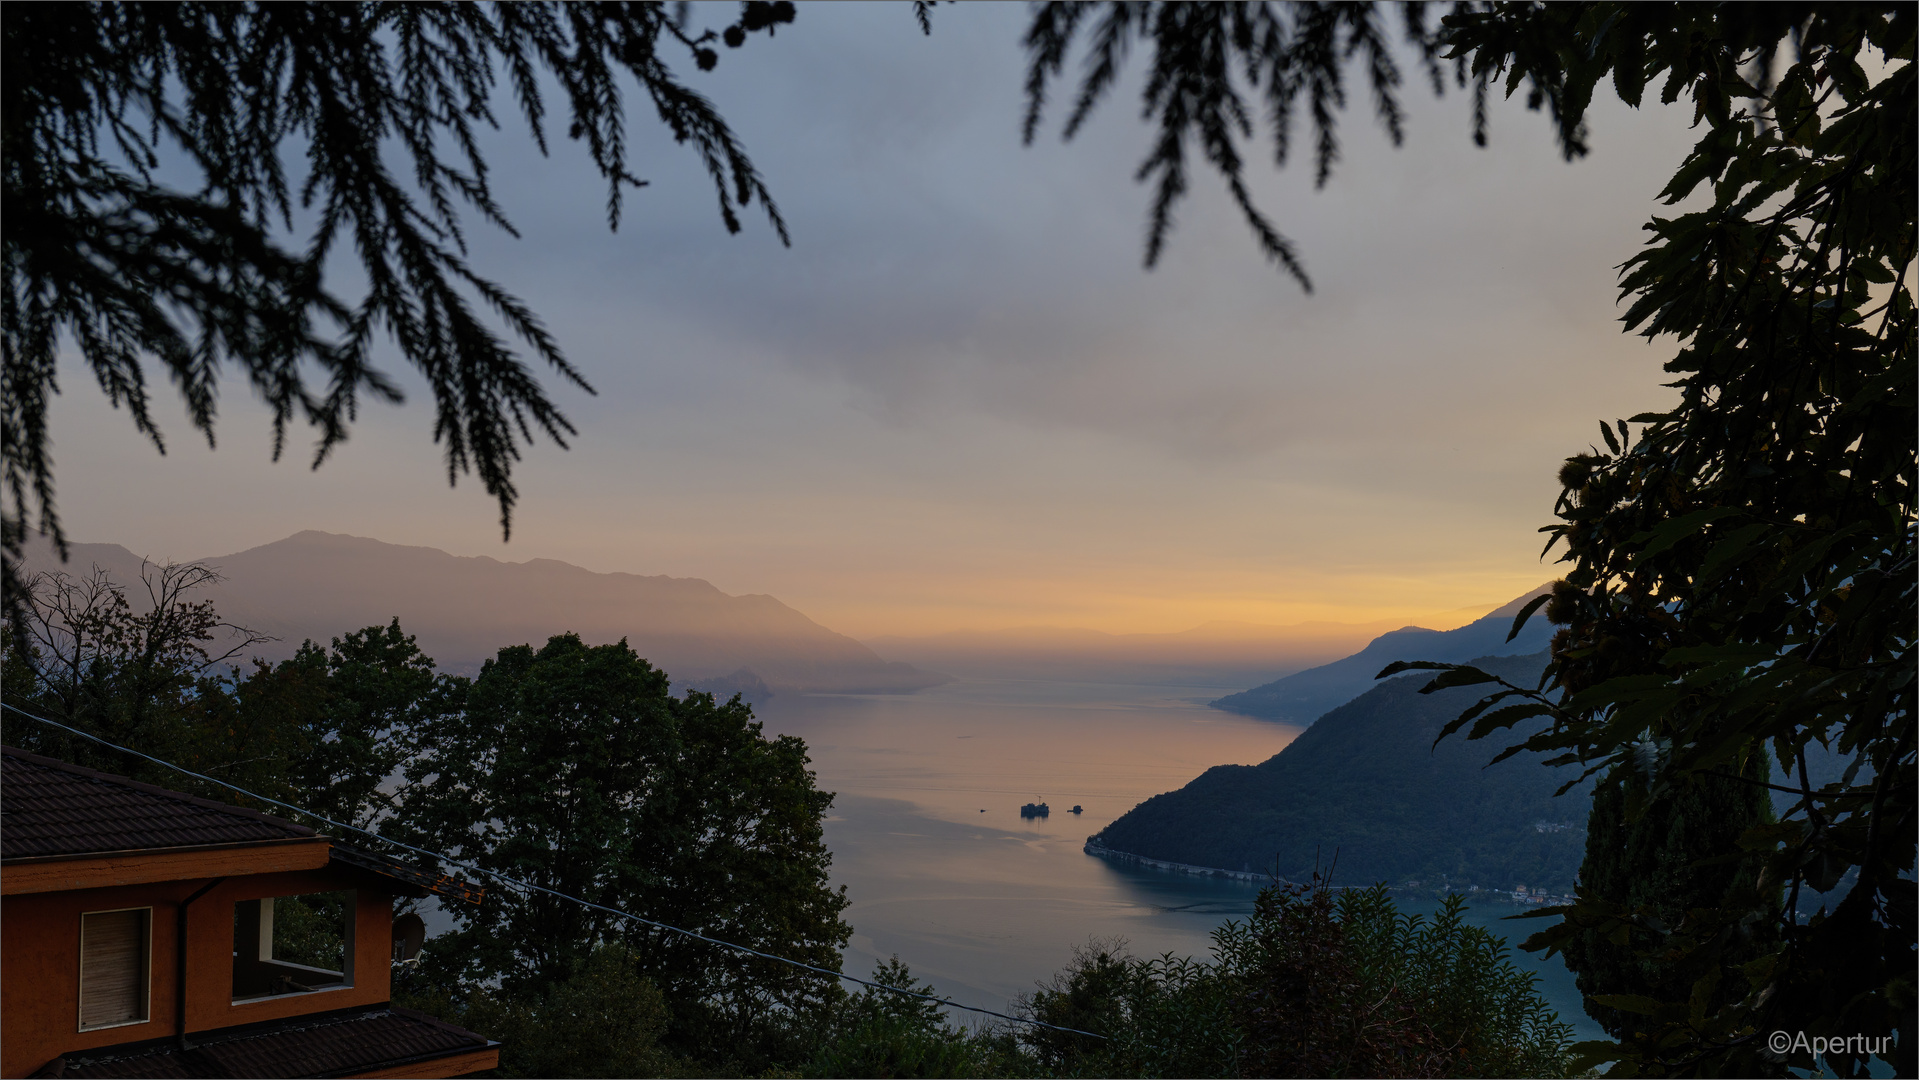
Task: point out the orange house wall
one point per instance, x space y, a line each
40 963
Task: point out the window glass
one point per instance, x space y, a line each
113 967
292 944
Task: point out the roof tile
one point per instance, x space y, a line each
328 1044
49 807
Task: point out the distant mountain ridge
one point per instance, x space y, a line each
1214 654
465 609
1306 696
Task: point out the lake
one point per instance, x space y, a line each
942 870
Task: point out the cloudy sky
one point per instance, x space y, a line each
958 401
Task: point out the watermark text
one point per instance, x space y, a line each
1787 1042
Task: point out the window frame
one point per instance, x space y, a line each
350 932
144 980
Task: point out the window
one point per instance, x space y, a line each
114 962
292 945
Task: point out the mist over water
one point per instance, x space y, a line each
942 870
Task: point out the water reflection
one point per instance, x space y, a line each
941 869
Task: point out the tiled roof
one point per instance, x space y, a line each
326 1044
49 807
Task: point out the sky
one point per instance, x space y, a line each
958 400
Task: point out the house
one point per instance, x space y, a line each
150 933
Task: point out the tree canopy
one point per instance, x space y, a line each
572 768
1742 583
1741 578
178 176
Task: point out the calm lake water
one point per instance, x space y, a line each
942 871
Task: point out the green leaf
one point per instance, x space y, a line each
1636 1004
1485 703
1629 70
1460 675
1507 717
1398 666
1519 620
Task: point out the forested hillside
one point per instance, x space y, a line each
1367 783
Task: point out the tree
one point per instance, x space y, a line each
1667 859
571 768
881 1033
324 729
603 1020
1318 982
83 655
358 708
1742 588
127 263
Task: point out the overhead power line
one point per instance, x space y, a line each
530 887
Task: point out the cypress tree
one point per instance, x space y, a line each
1660 863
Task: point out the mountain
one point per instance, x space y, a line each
1220 653
465 609
1367 784
1304 697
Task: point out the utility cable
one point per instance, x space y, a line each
530 887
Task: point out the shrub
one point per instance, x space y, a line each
1318 983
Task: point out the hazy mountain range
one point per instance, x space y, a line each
1304 697
317 585
464 610
1215 654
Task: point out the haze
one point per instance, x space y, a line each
958 402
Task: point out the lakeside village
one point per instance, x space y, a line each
1518 894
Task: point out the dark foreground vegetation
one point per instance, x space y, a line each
573 768
1741 591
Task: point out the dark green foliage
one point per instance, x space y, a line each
1285 53
1484 1012
84 654
1367 781
1665 860
323 730
573 769
382 107
604 1019
1317 983
880 1034
1743 584
311 929
370 692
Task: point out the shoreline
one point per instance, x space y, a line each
1098 850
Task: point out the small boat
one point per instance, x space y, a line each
1078 809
